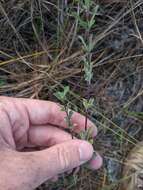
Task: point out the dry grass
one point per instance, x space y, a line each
40 53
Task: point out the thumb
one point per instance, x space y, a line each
59 158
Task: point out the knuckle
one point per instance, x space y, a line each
3 111
64 158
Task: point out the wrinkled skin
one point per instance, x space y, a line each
38 124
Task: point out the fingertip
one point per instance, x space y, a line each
94 131
93 128
85 151
96 162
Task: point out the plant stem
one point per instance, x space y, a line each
68 121
86 116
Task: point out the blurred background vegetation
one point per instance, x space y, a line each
46 45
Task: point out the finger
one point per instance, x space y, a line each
49 112
44 112
96 162
55 178
77 169
6 137
47 136
58 159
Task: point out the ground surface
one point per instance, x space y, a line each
41 51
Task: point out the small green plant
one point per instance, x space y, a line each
63 97
88 13
86 20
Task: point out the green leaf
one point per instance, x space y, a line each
88 103
92 20
70 113
91 141
84 43
66 90
96 9
68 122
91 102
88 66
88 3
89 133
82 22
82 135
91 44
91 23
61 95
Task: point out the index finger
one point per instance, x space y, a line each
42 112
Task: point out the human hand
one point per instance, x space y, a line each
35 123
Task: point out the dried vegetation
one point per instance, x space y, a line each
40 52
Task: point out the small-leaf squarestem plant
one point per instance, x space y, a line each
63 97
86 21
89 11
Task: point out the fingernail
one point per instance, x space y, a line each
85 151
94 133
